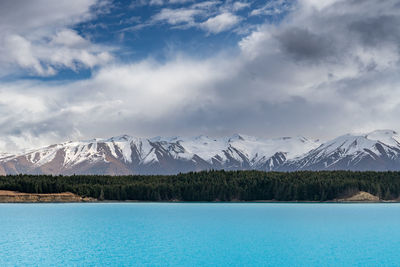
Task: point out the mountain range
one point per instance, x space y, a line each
123 155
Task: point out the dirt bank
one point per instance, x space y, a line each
360 197
17 197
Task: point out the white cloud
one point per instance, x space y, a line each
275 7
66 49
42 43
19 50
116 97
69 38
209 16
240 5
180 1
177 16
220 23
137 3
156 2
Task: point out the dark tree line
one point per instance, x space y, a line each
214 185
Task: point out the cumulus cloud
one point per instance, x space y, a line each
327 68
66 49
221 22
177 16
41 42
240 5
114 100
327 59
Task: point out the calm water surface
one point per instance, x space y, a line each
202 234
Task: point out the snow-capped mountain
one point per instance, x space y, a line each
378 150
160 155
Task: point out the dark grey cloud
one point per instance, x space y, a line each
377 30
302 44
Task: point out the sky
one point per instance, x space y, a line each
79 69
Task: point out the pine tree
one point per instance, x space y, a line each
101 196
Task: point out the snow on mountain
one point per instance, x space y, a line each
388 137
255 148
378 150
5 155
240 148
158 155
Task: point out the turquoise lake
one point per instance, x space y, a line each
199 234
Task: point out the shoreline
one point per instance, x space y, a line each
7 196
200 202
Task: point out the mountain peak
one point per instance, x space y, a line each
388 137
384 131
236 136
381 134
120 138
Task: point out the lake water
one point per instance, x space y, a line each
200 234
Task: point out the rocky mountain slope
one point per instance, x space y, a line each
378 150
130 155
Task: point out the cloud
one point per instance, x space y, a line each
221 22
210 16
42 42
42 14
240 5
69 38
274 7
66 49
156 2
177 16
302 44
326 68
180 1
376 30
138 3
19 50
117 97
329 55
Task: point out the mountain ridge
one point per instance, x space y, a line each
124 154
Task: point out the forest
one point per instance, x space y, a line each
214 185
